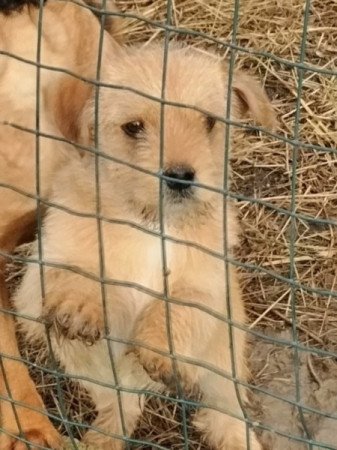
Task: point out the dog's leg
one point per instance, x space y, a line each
111 410
204 338
73 306
226 431
190 330
223 431
110 434
15 382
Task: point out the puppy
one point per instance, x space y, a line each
116 333
70 36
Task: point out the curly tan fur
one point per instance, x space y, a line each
135 316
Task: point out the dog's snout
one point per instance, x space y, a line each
179 175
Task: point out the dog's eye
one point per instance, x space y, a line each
133 129
210 123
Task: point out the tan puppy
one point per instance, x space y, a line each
70 36
193 142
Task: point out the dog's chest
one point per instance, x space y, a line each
133 256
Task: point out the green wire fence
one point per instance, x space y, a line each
291 281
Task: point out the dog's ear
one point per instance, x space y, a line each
251 99
113 24
67 102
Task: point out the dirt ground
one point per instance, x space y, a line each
273 369
263 173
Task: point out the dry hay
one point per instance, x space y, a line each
262 169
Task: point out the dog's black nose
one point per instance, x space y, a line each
179 175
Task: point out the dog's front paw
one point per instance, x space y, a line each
75 318
159 367
151 333
168 371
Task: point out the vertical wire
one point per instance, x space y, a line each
39 219
162 224
99 225
225 215
293 232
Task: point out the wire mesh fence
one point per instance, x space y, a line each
284 185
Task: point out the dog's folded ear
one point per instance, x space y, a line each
250 99
67 102
113 24
67 97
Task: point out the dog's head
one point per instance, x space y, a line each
181 142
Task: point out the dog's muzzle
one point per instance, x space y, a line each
179 180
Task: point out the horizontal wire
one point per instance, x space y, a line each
252 267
